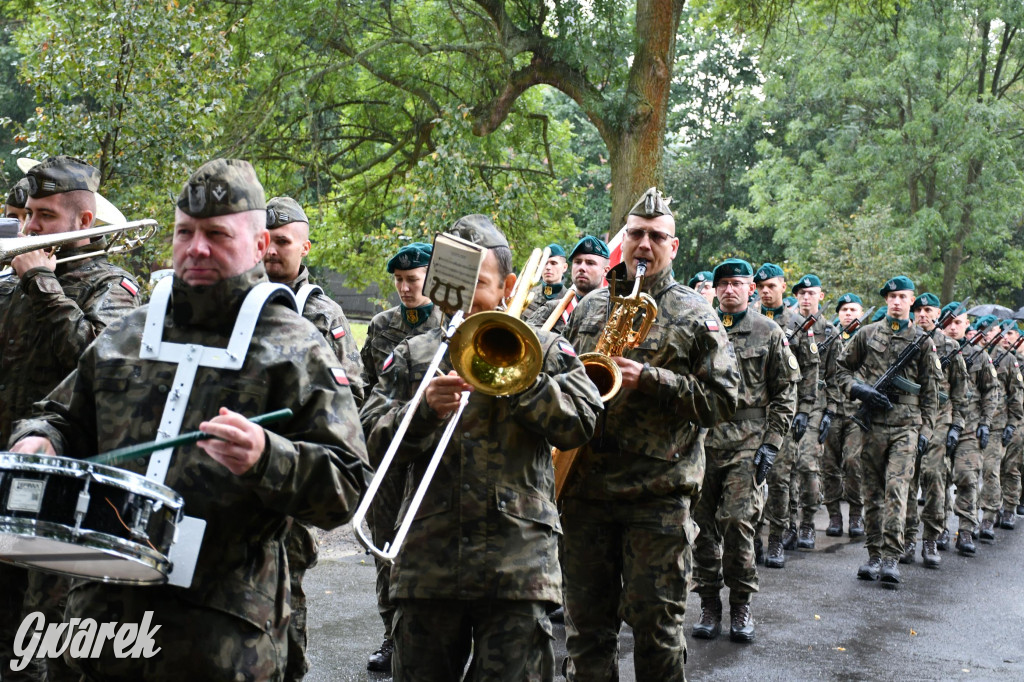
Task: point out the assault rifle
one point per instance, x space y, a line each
948 357
1011 349
808 322
989 345
891 377
848 329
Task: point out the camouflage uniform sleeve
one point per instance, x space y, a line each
369 375
338 334
1015 401
929 369
806 353
956 372
782 383
988 390
563 404
833 394
57 415
850 361
74 327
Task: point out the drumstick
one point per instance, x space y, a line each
131 452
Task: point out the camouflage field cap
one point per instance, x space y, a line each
925 299
284 210
732 267
18 196
768 271
848 298
651 205
59 174
702 276
898 283
479 229
415 255
590 245
222 187
806 282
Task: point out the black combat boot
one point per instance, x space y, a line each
930 554
742 629
890 573
965 543
856 526
987 530
789 537
908 553
835 526
758 551
805 539
775 558
942 544
709 625
1020 510
1007 519
871 569
380 660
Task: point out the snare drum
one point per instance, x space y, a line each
85 520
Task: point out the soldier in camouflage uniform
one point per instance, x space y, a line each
739 455
550 287
413 316
479 567
289 244
702 284
899 424
14 207
589 261
932 469
245 482
841 438
1008 416
629 534
1010 474
49 314
771 285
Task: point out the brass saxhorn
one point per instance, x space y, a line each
123 237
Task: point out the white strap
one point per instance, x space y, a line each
305 291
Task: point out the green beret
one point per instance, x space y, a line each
18 196
789 301
950 307
59 174
702 276
556 250
925 299
768 271
806 282
415 255
480 230
880 313
222 187
590 245
899 283
985 321
284 210
848 298
651 205
732 267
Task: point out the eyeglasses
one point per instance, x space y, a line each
637 234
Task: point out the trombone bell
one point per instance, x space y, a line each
496 353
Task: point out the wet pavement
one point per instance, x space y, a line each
814 619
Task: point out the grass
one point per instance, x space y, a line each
359 332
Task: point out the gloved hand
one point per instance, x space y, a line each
952 438
870 397
799 425
1008 434
764 459
983 435
824 426
922 444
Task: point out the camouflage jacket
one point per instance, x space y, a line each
488 527
541 314
871 352
769 374
805 347
982 393
328 317
836 400
648 451
952 382
1009 409
540 295
313 468
46 321
387 329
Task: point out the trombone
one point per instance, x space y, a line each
496 353
124 237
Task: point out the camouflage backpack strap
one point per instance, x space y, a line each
305 291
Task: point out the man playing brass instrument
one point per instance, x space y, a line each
626 504
479 568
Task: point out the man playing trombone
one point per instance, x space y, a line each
479 571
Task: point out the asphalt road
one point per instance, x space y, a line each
814 619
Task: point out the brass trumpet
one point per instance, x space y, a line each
124 237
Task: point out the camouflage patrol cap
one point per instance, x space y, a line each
479 229
925 299
415 255
806 282
18 196
768 271
898 283
702 276
848 298
732 267
284 210
222 187
590 245
59 174
651 205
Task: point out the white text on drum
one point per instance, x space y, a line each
82 638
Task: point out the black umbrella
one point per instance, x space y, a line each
1019 315
999 311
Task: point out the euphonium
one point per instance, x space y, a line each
620 333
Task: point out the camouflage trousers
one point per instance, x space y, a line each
196 643
931 474
1010 476
887 463
840 466
991 497
302 546
507 640
382 517
966 469
614 571
729 505
794 476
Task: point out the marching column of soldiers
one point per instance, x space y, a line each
736 406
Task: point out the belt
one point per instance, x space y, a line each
748 414
907 400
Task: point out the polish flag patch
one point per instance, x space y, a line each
567 348
388 361
339 375
130 286
338 332
711 325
